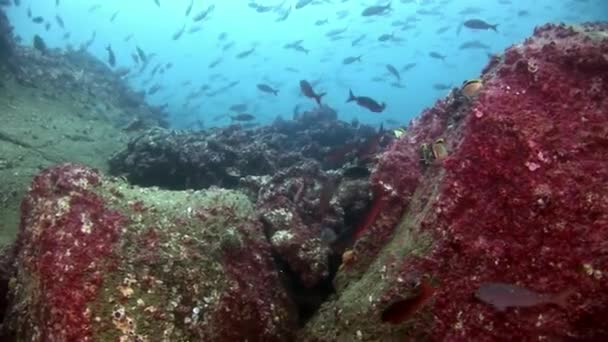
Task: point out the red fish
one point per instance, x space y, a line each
502 296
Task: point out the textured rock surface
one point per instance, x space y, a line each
522 198
98 260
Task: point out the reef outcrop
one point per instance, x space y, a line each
519 199
100 260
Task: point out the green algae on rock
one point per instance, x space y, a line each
101 260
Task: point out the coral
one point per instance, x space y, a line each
98 259
521 199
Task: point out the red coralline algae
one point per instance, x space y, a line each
61 253
521 199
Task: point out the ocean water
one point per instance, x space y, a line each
234 26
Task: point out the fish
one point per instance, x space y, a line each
442 29
358 40
376 10
204 13
141 54
114 16
478 24
307 90
242 117
189 8
301 49
157 2
302 3
39 44
94 8
127 37
59 21
386 37
56 2
17 3
351 60
111 57
502 296
29 12
321 22
267 89
393 71
38 20
239 108
135 58
441 86
473 44
47 26
179 33
366 102
284 16
194 29
215 63
336 32
523 13
154 89
437 55
470 88
408 66
245 53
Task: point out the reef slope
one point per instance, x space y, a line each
520 199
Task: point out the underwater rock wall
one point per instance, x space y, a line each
504 237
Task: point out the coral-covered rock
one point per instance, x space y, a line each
520 199
99 260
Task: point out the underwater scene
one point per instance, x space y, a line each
303 170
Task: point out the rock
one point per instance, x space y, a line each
521 198
100 260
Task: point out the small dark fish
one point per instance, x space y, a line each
386 37
245 53
17 3
157 2
302 3
284 16
214 63
336 32
56 2
301 49
94 8
222 36
393 71
154 89
358 40
135 58
194 29
111 57
239 108
267 89
179 33
189 9
478 24
408 66
321 22
59 21
38 20
351 60
442 29
204 13
523 13
376 10
114 16
127 37
502 296
307 90
242 117
29 12
442 86
39 44
142 55
47 26
473 44
437 55
366 102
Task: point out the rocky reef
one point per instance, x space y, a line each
328 231
514 193
101 260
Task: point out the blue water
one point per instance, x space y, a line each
153 27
